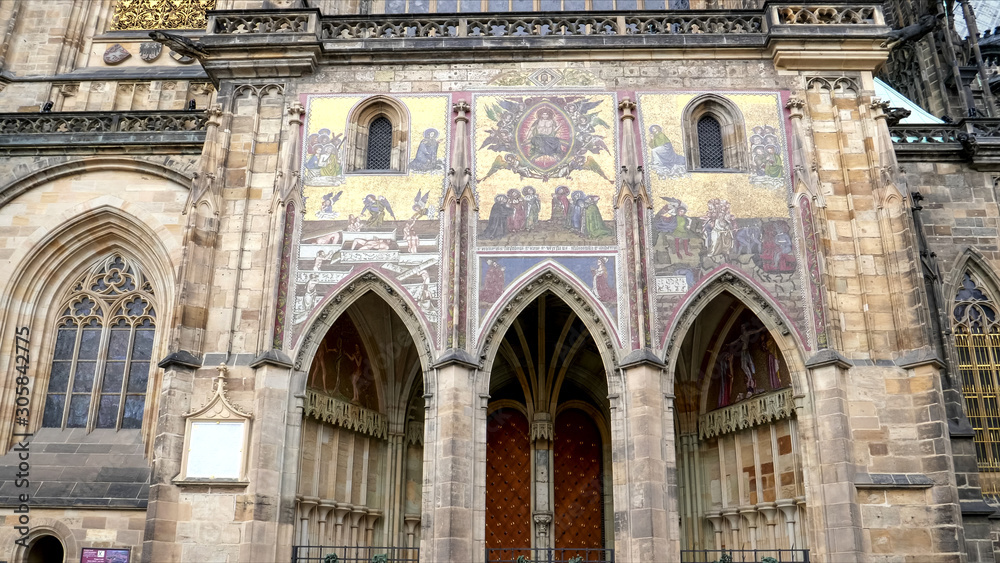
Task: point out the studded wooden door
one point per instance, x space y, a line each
508 481
579 510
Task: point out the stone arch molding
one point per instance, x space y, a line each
51 169
732 282
970 259
351 290
550 278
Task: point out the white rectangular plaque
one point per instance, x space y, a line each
215 450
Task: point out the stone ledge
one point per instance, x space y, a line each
893 481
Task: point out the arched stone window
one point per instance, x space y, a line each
378 136
714 135
977 343
103 350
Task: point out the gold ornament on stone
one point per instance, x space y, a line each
161 14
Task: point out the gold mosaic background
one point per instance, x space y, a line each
426 112
747 199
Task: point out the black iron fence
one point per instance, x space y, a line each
348 554
744 556
549 555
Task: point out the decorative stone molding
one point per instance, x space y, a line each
827 15
542 430
694 24
755 411
359 286
415 433
834 84
565 289
101 122
341 413
228 25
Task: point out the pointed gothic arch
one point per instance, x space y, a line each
168 170
973 309
754 298
547 276
350 290
545 387
740 387
51 261
366 120
362 368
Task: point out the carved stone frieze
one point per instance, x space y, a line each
346 415
758 410
827 15
844 85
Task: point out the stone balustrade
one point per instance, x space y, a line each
750 21
146 129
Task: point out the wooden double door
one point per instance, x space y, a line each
544 488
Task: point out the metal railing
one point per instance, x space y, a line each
349 554
744 556
549 555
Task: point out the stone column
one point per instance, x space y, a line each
266 464
836 518
542 436
642 518
447 524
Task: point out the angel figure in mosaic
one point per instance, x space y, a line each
376 208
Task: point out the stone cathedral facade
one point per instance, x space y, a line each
498 280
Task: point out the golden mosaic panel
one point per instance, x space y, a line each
161 14
559 154
746 197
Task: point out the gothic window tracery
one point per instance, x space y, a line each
977 342
103 351
161 14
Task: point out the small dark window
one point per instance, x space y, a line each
710 143
379 144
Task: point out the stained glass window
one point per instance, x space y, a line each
710 143
977 342
379 155
103 350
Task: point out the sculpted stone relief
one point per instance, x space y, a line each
355 220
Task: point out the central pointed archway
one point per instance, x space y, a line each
548 446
